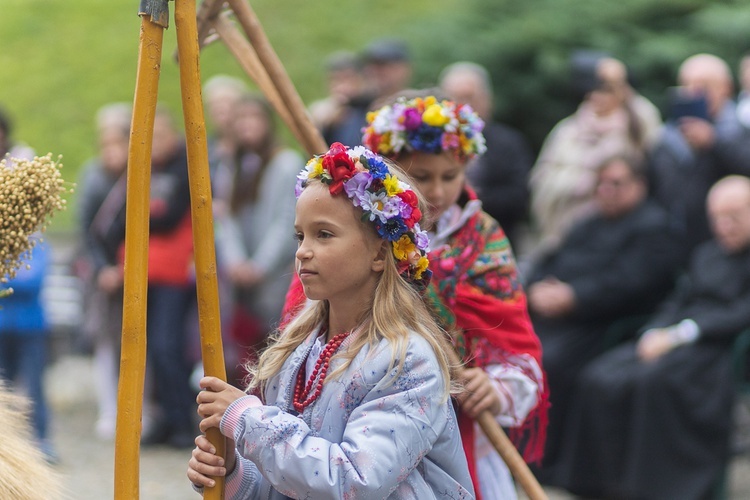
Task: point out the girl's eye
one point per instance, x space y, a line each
299 237
324 234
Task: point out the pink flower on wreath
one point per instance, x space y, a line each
412 119
339 166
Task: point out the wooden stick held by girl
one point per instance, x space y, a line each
355 389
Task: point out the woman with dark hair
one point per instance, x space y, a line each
255 211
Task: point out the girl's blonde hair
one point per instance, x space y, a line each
397 308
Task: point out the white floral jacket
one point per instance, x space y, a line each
371 433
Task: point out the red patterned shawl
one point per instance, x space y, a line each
477 292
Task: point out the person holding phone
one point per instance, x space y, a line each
701 142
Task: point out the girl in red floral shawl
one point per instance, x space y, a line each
475 287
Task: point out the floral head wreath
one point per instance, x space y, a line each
424 124
390 204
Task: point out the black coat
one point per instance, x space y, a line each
660 429
681 176
618 268
500 176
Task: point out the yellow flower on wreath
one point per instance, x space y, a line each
390 183
403 248
434 116
422 265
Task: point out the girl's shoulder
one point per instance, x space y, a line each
416 349
415 366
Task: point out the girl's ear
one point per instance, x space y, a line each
378 263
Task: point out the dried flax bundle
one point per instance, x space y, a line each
30 193
24 473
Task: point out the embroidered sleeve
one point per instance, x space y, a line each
518 391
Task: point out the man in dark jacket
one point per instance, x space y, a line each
694 152
652 418
616 264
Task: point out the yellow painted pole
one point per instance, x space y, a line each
202 215
133 356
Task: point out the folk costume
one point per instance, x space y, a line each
477 292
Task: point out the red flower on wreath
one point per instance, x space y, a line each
410 199
339 166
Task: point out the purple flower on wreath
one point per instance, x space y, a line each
356 187
412 119
421 239
404 209
298 187
393 207
392 229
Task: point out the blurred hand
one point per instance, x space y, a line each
654 344
245 274
214 400
551 298
479 393
109 279
205 463
698 133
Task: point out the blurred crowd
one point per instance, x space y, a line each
631 227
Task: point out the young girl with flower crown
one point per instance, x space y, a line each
475 291
354 391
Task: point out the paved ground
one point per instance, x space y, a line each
88 464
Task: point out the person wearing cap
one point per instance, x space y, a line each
387 66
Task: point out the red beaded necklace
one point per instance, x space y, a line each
302 397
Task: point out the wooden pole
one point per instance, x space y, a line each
505 447
510 456
313 141
201 211
243 51
133 355
207 12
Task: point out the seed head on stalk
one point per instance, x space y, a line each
30 193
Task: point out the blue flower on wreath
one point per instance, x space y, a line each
378 170
426 138
392 229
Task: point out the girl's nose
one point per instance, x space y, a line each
435 193
303 252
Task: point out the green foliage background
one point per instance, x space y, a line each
62 59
